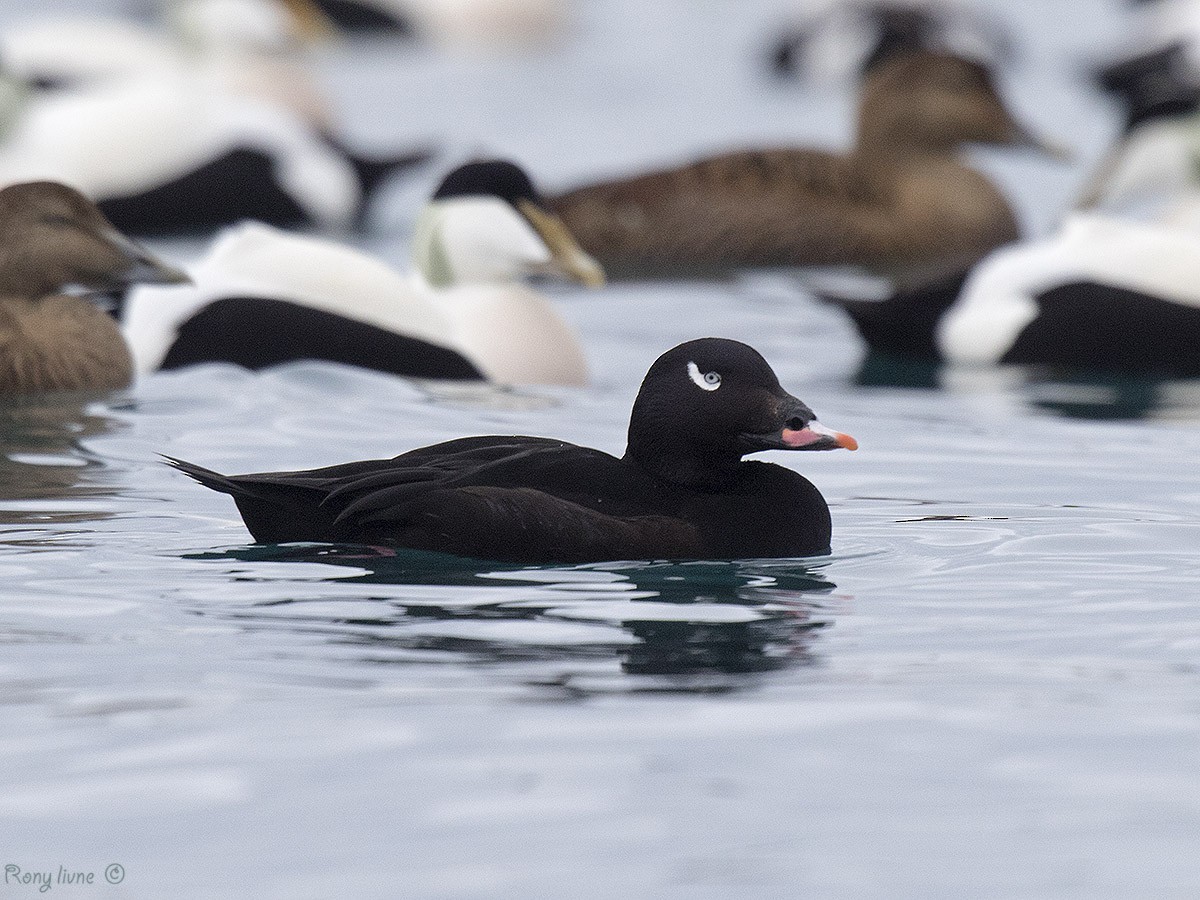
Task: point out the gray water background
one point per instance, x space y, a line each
990 689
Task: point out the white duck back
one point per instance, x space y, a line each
1151 172
128 136
255 260
480 23
72 48
84 49
510 332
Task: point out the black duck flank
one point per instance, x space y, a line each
681 491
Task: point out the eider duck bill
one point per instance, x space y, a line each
143 266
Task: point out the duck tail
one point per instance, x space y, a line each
373 171
207 477
906 323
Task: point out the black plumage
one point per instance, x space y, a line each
1079 324
1107 328
242 183
681 491
257 332
489 178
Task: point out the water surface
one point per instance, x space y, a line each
988 690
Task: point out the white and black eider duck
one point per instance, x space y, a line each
1103 295
249 46
1150 172
175 153
453 24
900 204
55 248
681 491
262 296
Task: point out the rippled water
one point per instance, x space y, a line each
990 689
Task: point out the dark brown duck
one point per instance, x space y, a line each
56 247
681 491
901 203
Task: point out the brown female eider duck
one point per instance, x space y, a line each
681 491
55 245
900 204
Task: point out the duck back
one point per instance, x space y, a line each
913 220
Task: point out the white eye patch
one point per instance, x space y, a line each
708 381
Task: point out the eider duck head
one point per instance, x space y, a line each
487 224
1159 84
926 101
52 238
707 403
54 246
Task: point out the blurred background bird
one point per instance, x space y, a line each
901 203
262 297
841 39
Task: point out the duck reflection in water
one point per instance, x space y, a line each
1070 395
691 624
45 475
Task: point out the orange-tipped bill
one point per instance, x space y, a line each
815 436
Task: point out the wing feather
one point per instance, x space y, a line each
521 524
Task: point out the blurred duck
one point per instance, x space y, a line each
900 204
263 297
55 249
1161 23
842 39
1151 170
173 154
453 23
1104 294
245 46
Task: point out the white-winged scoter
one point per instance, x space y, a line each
681 491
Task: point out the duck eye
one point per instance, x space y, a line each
708 381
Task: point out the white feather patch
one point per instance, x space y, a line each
701 380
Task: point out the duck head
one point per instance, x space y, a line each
1158 84
487 224
52 237
707 403
923 101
